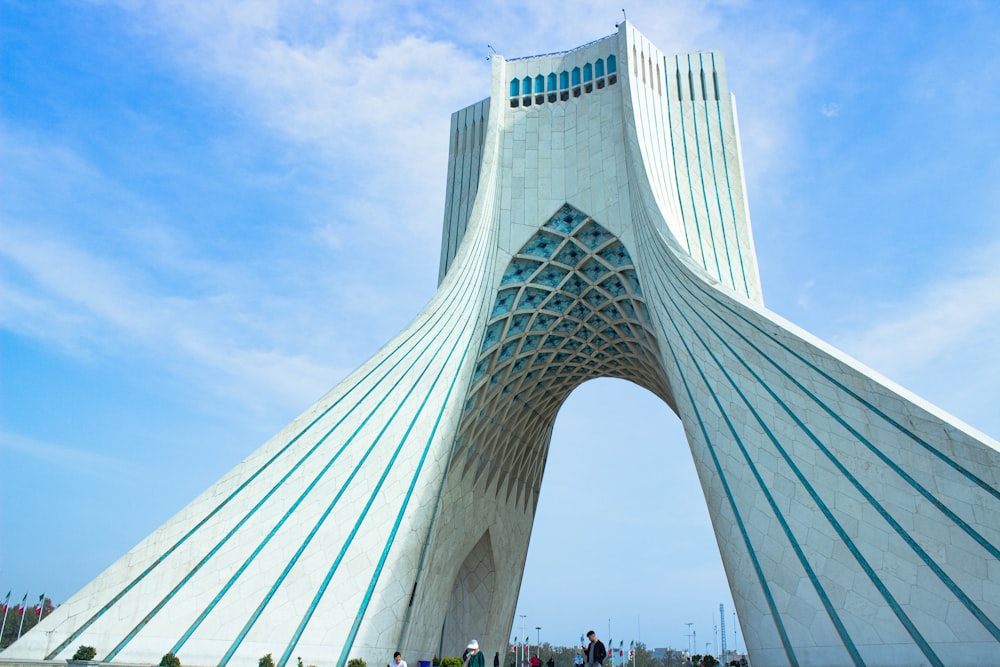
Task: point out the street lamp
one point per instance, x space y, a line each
538 643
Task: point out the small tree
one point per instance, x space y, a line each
451 661
85 653
266 661
170 660
356 662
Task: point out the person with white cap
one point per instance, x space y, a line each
473 658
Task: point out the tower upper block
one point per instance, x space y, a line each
596 225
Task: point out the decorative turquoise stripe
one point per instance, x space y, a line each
673 155
982 541
967 602
295 505
427 330
255 616
427 536
364 512
844 537
775 510
729 189
944 458
322 519
687 166
148 617
701 177
765 589
715 183
838 624
142 575
349 643
928 561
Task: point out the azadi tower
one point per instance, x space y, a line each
595 225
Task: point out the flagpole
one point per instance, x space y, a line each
23 608
41 606
6 608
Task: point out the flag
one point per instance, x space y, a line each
41 601
21 607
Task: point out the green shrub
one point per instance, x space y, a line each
266 661
170 660
451 661
356 662
85 653
436 662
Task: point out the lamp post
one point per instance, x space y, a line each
538 642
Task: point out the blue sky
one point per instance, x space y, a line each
211 212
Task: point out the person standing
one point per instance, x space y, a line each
397 660
496 659
595 651
551 662
536 661
473 658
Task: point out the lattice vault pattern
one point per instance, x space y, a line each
569 309
606 235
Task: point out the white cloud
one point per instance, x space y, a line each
68 457
940 341
142 292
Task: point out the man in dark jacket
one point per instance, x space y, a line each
595 651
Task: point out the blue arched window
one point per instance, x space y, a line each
588 72
599 68
515 87
552 81
563 80
612 64
526 85
539 84
576 76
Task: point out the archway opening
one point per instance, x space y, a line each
622 535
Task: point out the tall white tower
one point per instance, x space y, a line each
596 225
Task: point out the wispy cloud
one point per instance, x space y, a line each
941 339
64 456
147 294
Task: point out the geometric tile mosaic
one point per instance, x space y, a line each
569 309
